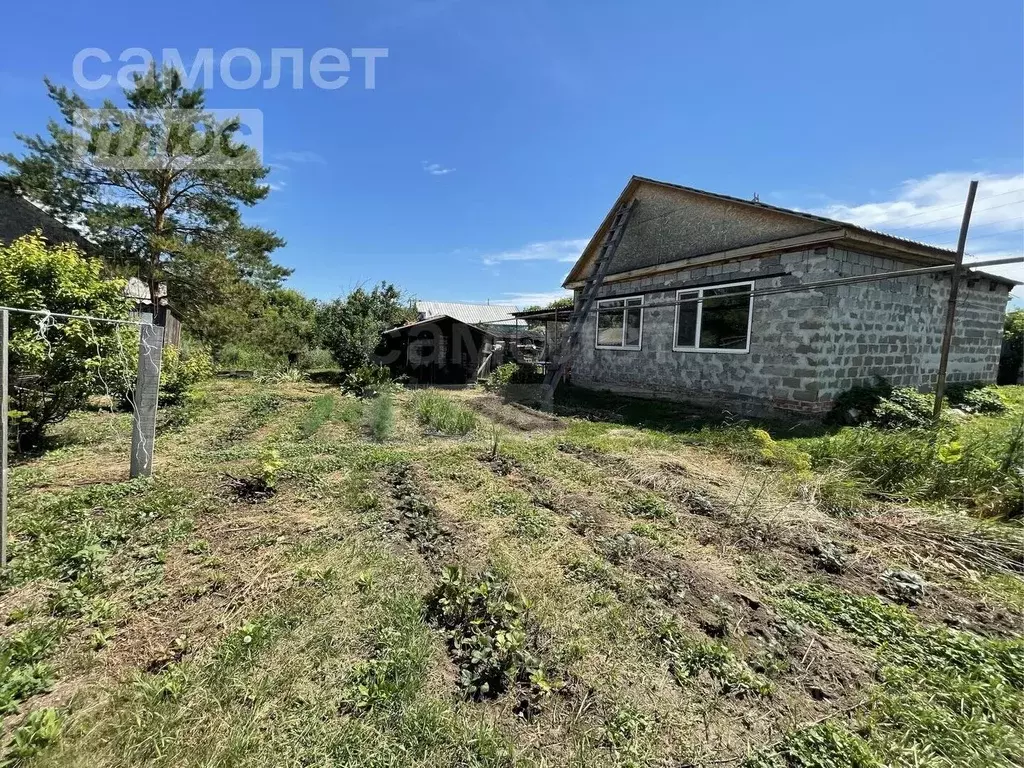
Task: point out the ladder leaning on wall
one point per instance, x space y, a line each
564 354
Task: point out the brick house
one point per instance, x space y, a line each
678 315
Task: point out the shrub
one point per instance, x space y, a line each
368 381
317 360
182 368
1012 354
55 374
857 404
440 413
505 376
501 377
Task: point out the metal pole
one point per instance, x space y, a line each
954 290
4 433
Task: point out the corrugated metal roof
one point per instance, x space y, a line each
473 314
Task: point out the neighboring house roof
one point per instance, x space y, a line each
434 319
20 217
139 291
471 314
829 230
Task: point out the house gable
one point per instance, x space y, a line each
675 227
673 223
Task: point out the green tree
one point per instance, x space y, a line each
54 369
1012 356
351 327
134 179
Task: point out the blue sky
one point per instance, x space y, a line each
499 133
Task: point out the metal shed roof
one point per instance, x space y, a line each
472 314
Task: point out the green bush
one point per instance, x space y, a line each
442 414
317 360
368 381
182 368
1012 355
857 404
501 377
55 371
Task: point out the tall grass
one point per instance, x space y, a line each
380 416
977 463
442 414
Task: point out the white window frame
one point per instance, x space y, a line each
700 316
597 323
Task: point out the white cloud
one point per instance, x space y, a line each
936 203
436 169
547 250
277 186
299 156
930 210
540 299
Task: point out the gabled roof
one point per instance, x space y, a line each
471 314
434 319
830 230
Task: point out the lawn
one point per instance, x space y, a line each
444 579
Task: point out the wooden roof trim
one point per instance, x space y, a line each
733 254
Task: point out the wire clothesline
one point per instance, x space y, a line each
64 316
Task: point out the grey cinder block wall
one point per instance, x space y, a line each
806 347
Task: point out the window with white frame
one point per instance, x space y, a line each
714 319
620 323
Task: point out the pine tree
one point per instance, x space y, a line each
132 179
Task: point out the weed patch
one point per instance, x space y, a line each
951 695
318 412
689 657
441 414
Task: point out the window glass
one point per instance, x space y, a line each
725 318
619 321
686 326
633 320
609 325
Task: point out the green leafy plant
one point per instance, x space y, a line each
39 732
975 398
688 657
485 621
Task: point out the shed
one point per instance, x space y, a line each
437 350
165 315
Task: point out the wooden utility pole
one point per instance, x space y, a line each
954 290
4 431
